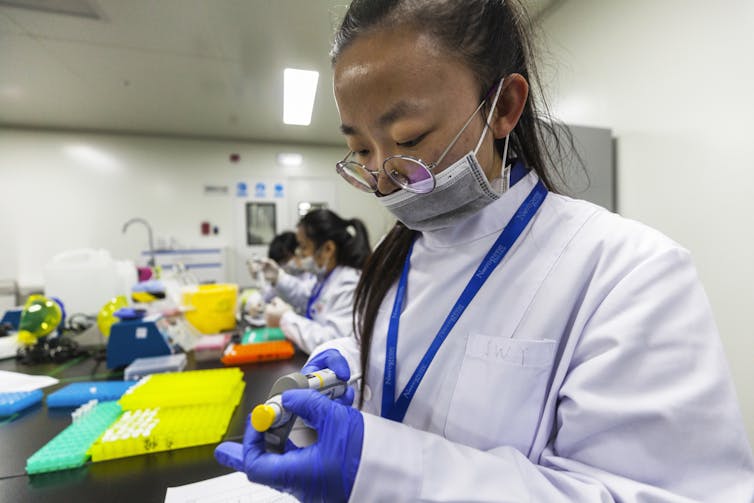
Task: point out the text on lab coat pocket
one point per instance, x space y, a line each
500 391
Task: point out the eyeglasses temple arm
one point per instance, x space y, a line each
458 135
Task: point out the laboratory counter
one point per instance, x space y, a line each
142 478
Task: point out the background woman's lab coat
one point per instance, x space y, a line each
293 289
332 312
588 368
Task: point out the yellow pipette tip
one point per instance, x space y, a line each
262 417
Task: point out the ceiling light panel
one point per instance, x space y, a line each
299 90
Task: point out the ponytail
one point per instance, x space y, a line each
350 236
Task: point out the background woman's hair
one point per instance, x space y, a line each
350 236
283 247
493 38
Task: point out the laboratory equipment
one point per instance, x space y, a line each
171 411
39 336
79 393
160 412
148 291
251 306
85 278
211 308
13 402
106 316
262 334
192 387
142 367
39 318
211 347
69 449
11 318
135 338
274 421
238 354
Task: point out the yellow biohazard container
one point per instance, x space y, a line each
211 309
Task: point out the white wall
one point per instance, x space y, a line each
674 79
52 200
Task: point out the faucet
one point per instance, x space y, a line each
152 262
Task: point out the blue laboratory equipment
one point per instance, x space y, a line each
12 317
136 338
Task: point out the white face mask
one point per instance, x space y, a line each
308 265
319 270
461 190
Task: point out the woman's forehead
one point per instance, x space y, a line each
383 69
392 61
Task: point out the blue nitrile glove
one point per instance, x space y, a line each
333 360
323 471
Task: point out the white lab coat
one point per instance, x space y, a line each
293 289
332 316
587 369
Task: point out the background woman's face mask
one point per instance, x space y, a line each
297 266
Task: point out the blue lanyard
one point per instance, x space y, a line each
316 291
397 410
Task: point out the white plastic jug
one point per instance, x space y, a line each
83 279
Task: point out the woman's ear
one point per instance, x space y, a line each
510 105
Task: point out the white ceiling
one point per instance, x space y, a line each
206 68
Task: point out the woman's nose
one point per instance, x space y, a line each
385 184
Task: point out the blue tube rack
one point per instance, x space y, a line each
79 393
10 403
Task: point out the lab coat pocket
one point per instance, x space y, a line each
499 393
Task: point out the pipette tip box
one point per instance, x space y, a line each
155 365
79 393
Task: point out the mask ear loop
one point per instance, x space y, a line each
506 170
489 115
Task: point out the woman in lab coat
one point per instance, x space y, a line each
285 264
338 249
514 344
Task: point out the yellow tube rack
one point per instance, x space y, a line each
177 389
154 429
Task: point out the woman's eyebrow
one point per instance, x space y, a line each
398 111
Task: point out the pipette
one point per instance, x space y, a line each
274 421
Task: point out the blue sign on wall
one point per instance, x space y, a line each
260 190
279 190
241 189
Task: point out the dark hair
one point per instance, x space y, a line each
283 247
350 236
492 38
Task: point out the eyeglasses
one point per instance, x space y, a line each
408 172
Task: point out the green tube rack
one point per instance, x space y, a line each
69 448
